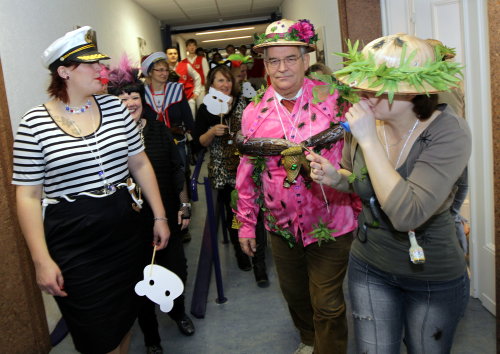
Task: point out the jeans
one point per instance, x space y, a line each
384 304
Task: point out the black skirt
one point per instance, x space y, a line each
97 245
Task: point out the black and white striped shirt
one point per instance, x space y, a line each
64 164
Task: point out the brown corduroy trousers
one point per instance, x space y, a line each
311 281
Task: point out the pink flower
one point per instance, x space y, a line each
304 28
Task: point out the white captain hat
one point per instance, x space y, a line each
75 46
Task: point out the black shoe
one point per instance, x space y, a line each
185 325
243 261
260 275
154 349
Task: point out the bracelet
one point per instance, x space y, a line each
160 218
186 205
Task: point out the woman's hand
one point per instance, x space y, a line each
184 222
161 234
362 122
220 129
322 171
49 278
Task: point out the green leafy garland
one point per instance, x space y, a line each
353 177
347 94
259 165
258 96
285 234
440 74
322 233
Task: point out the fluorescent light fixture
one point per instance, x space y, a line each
224 31
225 39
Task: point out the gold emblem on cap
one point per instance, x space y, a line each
88 36
76 51
91 57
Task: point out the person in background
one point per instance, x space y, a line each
311 229
73 156
243 50
239 71
165 102
199 63
216 59
201 52
164 156
319 68
230 50
188 77
407 274
239 68
218 134
256 71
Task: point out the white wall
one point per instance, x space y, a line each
321 13
29 26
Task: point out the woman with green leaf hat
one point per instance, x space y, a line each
403 158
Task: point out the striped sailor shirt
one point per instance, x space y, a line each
64 164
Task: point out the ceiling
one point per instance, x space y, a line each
221 40
188 17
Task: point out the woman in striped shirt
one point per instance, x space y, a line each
76 152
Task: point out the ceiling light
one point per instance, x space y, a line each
224 31
225 39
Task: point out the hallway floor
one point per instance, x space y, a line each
256 320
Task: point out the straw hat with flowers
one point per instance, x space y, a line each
287 33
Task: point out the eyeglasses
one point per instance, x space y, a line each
289 61
161 70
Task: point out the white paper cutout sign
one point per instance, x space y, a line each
247 90
216 102
160 285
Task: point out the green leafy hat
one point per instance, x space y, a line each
287 33
399 64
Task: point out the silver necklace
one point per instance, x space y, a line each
409 134
400 139
107 187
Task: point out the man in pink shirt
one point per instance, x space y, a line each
298 214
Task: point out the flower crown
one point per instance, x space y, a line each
300 31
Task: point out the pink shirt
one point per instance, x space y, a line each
295 208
